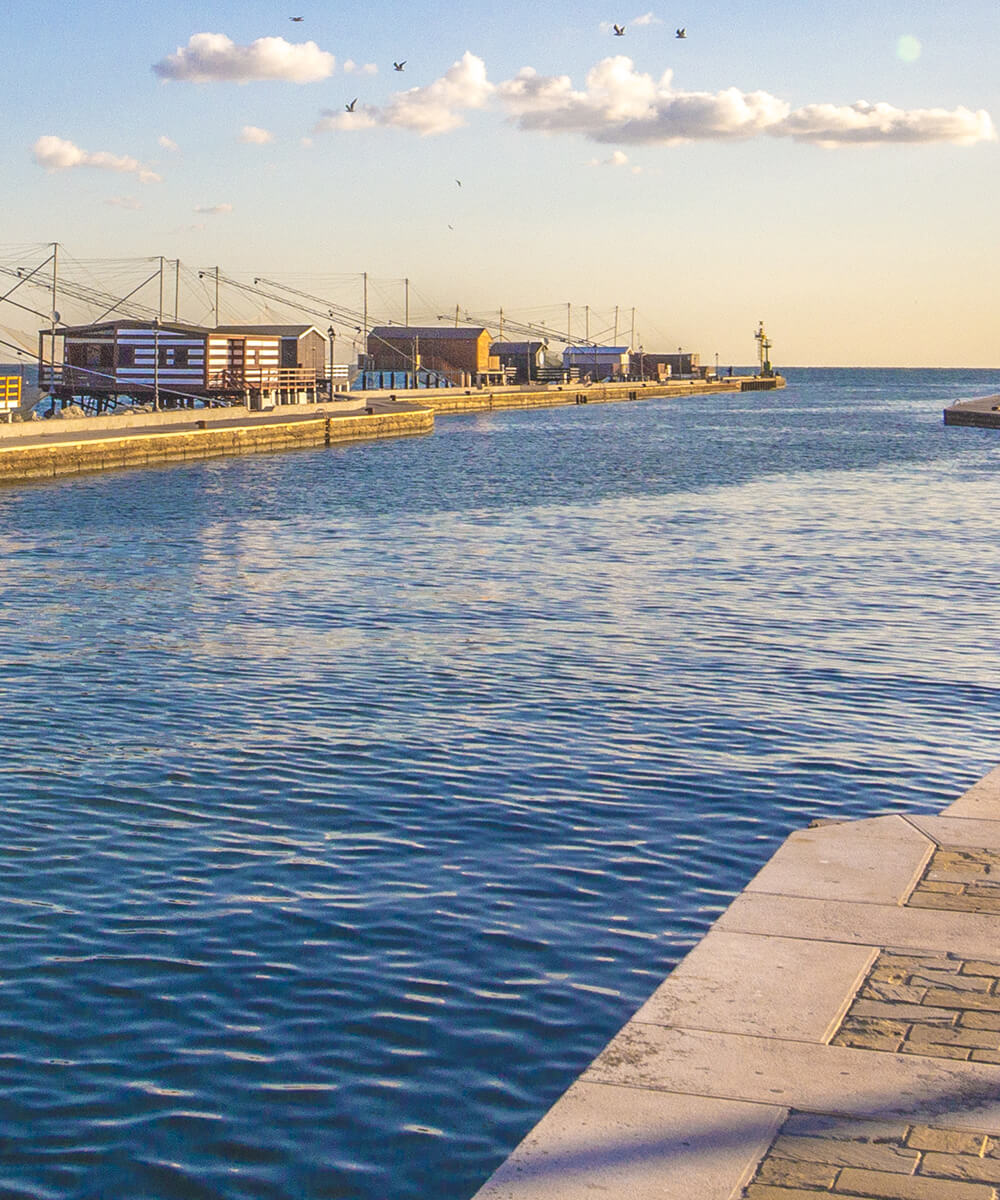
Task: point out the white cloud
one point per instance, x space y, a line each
213 57
434 108
167 143
647 19
57 154
620 104
255 136
353 68
862 123
128 202
212 210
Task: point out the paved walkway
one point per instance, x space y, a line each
50 432
836 1033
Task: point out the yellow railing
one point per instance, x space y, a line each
10 392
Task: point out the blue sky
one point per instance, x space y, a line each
707 182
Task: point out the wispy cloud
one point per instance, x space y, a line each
621 104
213 57
57 154
618 159
213 210
647 19
255 136
128 202
167 143
435 108
353 68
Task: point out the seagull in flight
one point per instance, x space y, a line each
619 30
459 182
398 66
296 18
681 33
350 107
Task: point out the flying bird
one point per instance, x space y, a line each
681 33
398 66
619 30
459 182
350 107
296 18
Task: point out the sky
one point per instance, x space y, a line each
830 169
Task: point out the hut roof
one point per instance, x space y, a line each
462 333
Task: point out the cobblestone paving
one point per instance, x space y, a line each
927 1002
961 880
815 1155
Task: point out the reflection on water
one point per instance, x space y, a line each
352 799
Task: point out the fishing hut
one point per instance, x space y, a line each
173 365
522 362
455 357
599 362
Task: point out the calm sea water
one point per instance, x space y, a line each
352 799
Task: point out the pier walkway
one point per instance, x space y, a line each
835 1034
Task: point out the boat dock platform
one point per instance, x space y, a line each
835 1034
983 413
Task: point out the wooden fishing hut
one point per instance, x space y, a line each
599 362
462 353
174 365
522 361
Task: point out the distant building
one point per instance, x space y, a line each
521 361
461 353
599 362
646 365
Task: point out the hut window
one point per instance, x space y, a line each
126 356
181 356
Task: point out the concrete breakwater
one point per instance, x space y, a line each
983 413
454 400
38 450
181 437
835 1034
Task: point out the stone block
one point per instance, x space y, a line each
765 1191
931 1013
980 1020
948 1141
840 1152
961 1166
786 1173
881 1185
826 1125
938 998
978 967
934 1050
973 1039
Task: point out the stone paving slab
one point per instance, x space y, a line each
877 861
789 987
624 1142
972 934
959 831
821 1078
828 1000
981 800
